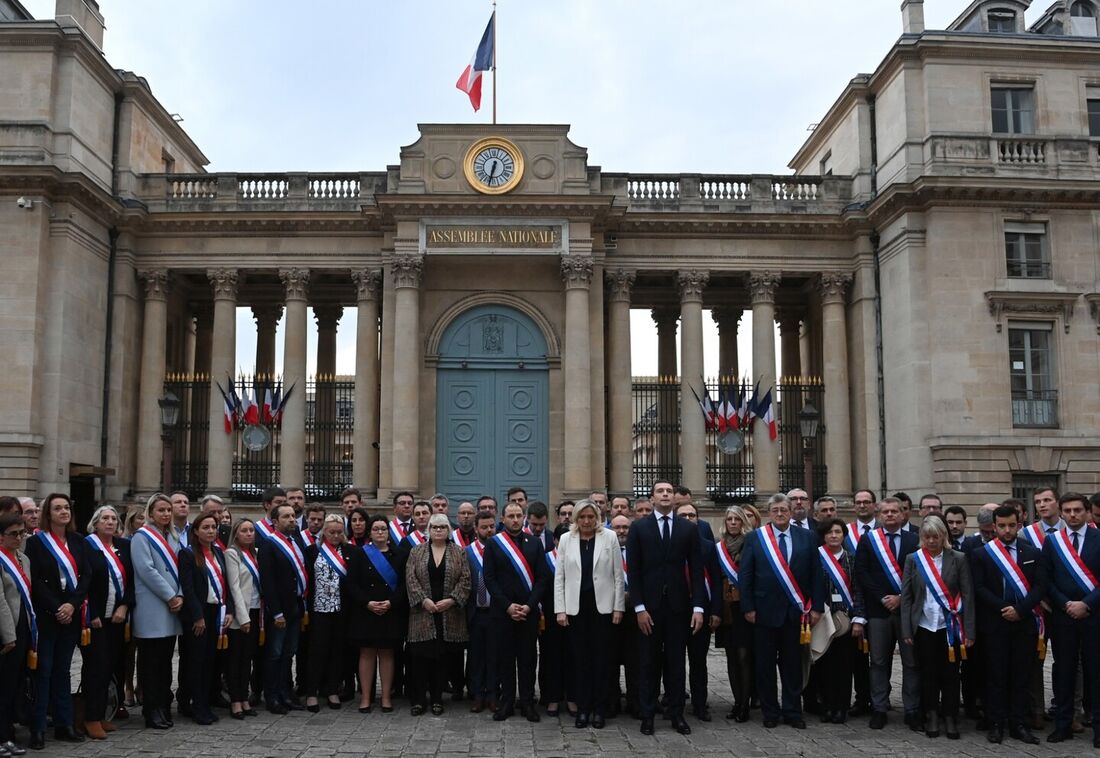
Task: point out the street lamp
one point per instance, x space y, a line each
169 418
808 420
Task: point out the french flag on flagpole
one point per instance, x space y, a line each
766 411
470 80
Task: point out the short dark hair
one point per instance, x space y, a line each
1004 511
9 504
514 490
931 496
370 525
682 490
402 493
178 492
275 510
538 509
824 526
483 498
484 516
1095 499
954 510
1051 490
655 482
314 507
511 505
423 503
273 492
9 519
295 489
903 498
564 503
874 497
351 491
1015 502
1070 497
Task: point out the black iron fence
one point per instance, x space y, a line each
185 448
330 414
656 431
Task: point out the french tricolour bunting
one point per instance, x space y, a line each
837 575
1070 558
886 558
728 564
516 557
470 80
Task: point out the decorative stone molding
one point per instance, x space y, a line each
665 318
762 286
1093 299
224 282
834 286
789 320
327 316
267 315
296 282
407 270
726 318
691 284
576 271
619 283
1055 304
367 283
156 283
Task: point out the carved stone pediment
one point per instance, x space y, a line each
1003 303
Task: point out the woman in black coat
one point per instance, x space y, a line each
60 577
207 610
110 598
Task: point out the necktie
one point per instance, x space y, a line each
664 528
482 592
1009 594
866 528
894 544
1051 530
783 546
1076 542
405 527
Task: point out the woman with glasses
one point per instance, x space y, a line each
438 581
17 619
378 618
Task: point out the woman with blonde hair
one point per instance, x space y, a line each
243 577
734 634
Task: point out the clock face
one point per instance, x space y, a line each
493 165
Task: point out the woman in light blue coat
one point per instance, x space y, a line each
157 601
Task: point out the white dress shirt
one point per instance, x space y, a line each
932 616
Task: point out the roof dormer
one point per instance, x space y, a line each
1073 18
992 17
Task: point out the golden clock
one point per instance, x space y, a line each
493 165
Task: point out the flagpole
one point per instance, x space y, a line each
494 61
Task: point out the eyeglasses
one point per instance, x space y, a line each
439 526
797 497
18 533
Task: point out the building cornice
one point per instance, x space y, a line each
57 185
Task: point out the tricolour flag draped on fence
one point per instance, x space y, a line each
470 80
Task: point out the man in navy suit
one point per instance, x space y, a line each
668 601
1075 616
767 604
699 644
1006 623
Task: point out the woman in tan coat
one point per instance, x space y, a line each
437 577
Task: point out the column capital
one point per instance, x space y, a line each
224 282
789 320
762 286
834 286
367 283
156 283
692 282
296 282
267 315
665 317
327 316
619 283
576 271
726 317
407 270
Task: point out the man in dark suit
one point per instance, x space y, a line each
515 592
699 644
1075 621
800 510
681 496
553 675
881 594
767 604
1007 624
668 601
282 586
624 637
481 663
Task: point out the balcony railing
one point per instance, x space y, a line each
1070 157
741 193
267 191
1035 409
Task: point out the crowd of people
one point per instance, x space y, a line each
306 608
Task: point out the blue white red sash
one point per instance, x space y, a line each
783 573
1071 559
729 566
1035 534
264 528
217 583
114 565
626 577
552 560
1014 576
381 565
290 550
459 539
307 537
852 536
65 560
161 547
416 538
476 551
518 560
706 582
250 564
952 605
335 561
23 584
397 532
837 575
886 558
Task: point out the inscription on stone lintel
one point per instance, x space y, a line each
463 236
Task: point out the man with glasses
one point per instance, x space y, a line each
800 514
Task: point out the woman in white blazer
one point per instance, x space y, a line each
589 598
242 571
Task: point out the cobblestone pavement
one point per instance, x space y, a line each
457 732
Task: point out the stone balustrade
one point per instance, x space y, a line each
744 193
260 191
1041 156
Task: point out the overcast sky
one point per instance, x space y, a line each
339 85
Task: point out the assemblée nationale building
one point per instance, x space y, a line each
932 262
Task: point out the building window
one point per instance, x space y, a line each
1013 110
1026 483
1092 100
1026 251
1034 399
1082 19
1002 21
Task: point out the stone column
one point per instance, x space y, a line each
292 447
221 447
153 341
693 440
790 357
619 379
364 453
327 318
576 273
406 372
200 369
267 317
668 412
728 320
765 452
838 443
324 397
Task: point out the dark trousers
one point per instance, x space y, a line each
183 683
427 677
665 646
623 653
280 647
589 634
242 649
553 671
740 671
698 647
834 675
201 651
302 661
861 676
327 654
1074 643
939 677
1010 658
101 662
456 671
12 670
154 670
481 662
779 646
515 644
972 674
53 692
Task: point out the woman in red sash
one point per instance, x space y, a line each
834 667
734 634
110 598
15 624
207 610
377 620
243 576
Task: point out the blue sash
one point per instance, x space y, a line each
382 566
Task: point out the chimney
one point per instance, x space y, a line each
83 14
912 16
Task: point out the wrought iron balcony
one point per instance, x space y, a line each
1035 409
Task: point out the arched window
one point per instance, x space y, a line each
1081 9
1082 22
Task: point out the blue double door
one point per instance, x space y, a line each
492 433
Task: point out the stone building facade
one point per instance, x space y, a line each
934 259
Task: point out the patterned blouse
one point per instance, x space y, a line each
326 595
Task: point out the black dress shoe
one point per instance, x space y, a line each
1060 735
1023 734
166 716
204 719
582 721
996 735
156 722
598 721
238 715
67 734
770 723
277 708
680 725
502 714
795 723
703 714
37 741
859 709
951 727
878 720
647 725
315 708
294 706
533 714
